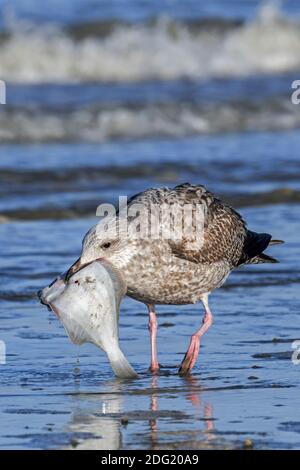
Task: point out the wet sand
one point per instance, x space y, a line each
245 386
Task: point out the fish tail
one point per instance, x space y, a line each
121 366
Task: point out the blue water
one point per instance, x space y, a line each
71 138
70 11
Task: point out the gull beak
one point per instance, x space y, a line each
77 266
74 268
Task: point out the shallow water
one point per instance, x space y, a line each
68 145
245 385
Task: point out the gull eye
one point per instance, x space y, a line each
106 245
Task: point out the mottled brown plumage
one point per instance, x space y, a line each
178 271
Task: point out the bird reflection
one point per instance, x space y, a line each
102 414
98 416
153 407
205 408
193 395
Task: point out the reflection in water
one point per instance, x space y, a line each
101 421
154 407
100 414
205 409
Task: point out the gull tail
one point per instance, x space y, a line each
276 242
254 247
263 257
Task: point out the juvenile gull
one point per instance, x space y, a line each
177 271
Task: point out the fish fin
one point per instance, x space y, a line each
118 279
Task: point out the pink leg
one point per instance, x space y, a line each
154 367
191 355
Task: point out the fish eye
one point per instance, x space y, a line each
106 245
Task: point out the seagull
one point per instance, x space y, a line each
179 269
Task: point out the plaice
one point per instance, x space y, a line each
88 305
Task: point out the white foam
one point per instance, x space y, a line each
269 44
176 120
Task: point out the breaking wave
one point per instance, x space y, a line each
173 120
161 49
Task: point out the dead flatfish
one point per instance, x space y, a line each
88 305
